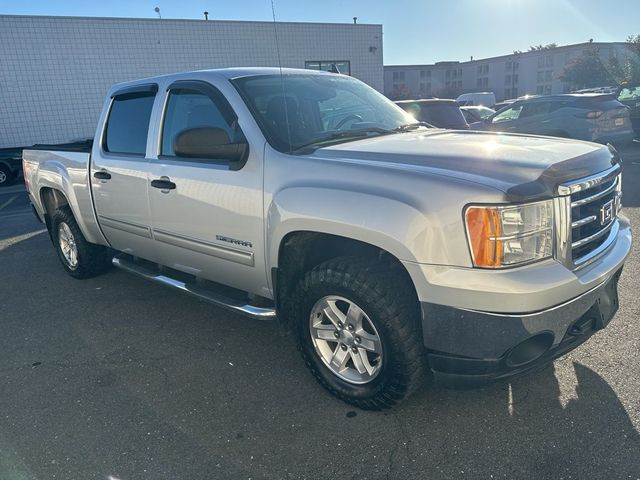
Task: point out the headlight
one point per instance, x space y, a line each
503 236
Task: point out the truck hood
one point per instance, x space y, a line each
524 167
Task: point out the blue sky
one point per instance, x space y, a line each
415 31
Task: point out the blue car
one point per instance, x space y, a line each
594 117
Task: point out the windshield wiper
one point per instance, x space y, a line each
407 127
343 135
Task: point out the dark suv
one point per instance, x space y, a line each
593 117
438 112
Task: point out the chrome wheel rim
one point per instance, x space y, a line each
345 339
3 177
68 245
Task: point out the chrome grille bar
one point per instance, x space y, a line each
595 236
593 198
583 221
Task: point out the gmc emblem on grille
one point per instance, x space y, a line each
607 212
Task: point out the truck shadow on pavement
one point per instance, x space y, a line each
116 376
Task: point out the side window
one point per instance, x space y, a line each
128 124
535 108
509 114
188 108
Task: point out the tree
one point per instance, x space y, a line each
537 48
628 70
587 71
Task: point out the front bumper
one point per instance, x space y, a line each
500 346
481 326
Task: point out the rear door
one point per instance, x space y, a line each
119 172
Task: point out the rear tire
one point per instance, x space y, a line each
79 258
393 364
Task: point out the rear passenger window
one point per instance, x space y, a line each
128 123
190 109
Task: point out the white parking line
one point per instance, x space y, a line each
13 189
8 202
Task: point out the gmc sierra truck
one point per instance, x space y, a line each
392 251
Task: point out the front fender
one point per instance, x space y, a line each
387 223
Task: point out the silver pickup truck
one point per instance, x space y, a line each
392 251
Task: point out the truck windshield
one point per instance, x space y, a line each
306 110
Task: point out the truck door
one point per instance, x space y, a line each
119 172
206 213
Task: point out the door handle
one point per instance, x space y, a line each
163 183
102 175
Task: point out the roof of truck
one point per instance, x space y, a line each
229 73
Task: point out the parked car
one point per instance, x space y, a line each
10 165
630 96
590 116
441 113
387 248
487 99
476 113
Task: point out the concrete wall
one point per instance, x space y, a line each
55 71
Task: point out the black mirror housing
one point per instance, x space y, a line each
210 143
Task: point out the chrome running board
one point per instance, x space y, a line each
126 263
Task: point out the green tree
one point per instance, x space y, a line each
537 48
588 71
628 70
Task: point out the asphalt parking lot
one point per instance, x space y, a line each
117 378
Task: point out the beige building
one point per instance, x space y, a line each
508 76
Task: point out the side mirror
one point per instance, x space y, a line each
210 142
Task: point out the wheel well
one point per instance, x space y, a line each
300 252
51 199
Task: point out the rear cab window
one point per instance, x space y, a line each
127 125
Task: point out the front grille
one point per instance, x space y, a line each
594 210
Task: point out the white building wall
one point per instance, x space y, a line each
55 71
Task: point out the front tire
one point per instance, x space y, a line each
79 258
358 329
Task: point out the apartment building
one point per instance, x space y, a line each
508 76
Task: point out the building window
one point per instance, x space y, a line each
540 76
507 80
516 66
507 93
548 75
483 69
459 83
425 74
515 78
448 74
343 66
539 90
548 61
547 89
398 76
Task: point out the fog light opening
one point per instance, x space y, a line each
530 350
